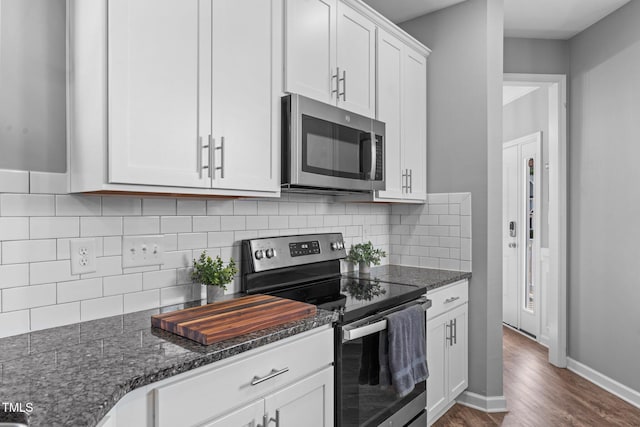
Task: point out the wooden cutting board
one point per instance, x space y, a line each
222 320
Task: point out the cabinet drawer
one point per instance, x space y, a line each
448 297
215 391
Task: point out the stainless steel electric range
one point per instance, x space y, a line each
307 268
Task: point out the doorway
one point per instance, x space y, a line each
521 205
551 292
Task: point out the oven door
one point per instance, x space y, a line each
333 148
360 400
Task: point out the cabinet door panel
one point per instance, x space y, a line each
458 353
310 48
436 361
389 93
243 95
155 87
247 416
310 400
356 47
414 137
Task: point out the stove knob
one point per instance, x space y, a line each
271 253
259 254
340 245
334 246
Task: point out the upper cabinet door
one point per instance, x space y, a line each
390 58
246 109
356 61
156 84
414 116
310 31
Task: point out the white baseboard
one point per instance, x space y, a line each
483 403
612 386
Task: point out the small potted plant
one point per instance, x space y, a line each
365 254
213 274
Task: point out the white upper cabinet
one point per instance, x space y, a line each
189 100
330 54
402 106
156 91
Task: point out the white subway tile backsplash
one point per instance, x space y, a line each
71 205
178 259
438 199
54 227
298 221
465 226
52 271
175 224
124 284
257 222
14 228
101 307
112 246
106 266
218 239
54 315
14 275
206 223
120 206
159 279
14 181
450 264
27 205
267 208
192 241
19 251
449 220
438 209
28 296
245 207
278 222
159 207
192 207
100 226
48 183
219 207
141 225
141 300
176 295
14 323
79 290
288 208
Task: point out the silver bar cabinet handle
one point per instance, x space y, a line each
212 159
450 300
374 154
337 89
455 331
344 85
199 157
274 373
447 332
277 418
265 421
221 148
410 180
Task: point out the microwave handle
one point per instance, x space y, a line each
374 155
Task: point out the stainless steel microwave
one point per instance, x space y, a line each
327 148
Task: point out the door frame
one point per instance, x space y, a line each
556 84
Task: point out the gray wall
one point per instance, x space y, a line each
536 56
464 144
33 85
604 202
525 116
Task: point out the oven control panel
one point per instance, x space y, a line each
304 248
286 251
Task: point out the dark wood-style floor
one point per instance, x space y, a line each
541 395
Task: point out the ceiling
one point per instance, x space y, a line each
546 19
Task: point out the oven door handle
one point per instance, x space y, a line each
350 334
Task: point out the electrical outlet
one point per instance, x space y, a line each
83 255
140 251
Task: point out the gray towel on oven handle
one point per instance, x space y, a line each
403 361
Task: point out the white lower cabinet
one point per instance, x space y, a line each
289 381
447 347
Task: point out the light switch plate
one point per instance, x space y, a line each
140 251
83 255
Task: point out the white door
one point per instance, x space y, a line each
310 49
389 108
157 90
437 342
247 416
414 124
510 232
310 400
356 47
243 113
521 243
458 353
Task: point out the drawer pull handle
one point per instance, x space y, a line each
450 300
274 373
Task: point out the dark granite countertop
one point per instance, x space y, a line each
73 375
429 277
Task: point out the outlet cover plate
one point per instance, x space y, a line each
83 256
142 251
